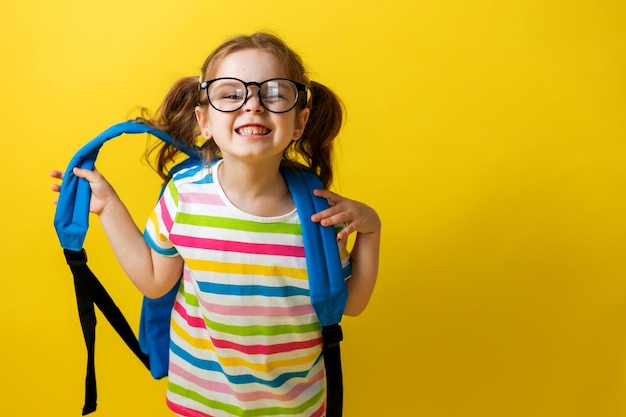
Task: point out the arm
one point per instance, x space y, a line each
363 220
151 273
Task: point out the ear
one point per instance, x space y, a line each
202 116
300 123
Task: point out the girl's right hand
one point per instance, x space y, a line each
102 193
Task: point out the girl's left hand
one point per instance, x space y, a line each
357 217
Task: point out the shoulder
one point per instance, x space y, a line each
299 175
198 172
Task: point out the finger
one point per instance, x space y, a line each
56 174
345 232
85 173
55 187
329 212
339 218
328 195
334 214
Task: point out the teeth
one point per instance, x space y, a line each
253 130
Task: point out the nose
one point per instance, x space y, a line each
253 101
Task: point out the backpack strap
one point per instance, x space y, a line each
89 292
71 222
71 219
326 279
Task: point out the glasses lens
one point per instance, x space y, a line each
278 96
227 94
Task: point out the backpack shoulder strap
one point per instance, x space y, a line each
71 219
71 222
326 278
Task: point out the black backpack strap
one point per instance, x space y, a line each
90 292
334 377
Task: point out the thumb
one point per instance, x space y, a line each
87 174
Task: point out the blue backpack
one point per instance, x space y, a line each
326 278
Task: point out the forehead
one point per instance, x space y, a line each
250 65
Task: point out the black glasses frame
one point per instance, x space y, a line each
299 87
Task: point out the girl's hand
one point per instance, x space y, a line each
153 274
357 217
102 193
360 218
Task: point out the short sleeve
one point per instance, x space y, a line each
161 220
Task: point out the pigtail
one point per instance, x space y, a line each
175 116
323 126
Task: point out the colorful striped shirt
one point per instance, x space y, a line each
245 340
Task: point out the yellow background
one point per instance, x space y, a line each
490 136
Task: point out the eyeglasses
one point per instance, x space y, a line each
278 95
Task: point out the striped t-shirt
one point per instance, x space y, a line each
245 340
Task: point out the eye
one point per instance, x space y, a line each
274 91
273 94
231 94
227 90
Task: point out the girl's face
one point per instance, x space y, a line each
251 133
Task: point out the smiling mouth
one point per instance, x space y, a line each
253 131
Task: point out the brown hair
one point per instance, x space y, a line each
176 114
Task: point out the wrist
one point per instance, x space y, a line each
110 207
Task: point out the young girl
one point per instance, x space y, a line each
241 342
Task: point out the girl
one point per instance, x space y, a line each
230 225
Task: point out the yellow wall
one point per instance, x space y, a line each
490 135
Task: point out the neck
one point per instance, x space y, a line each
251 179
257 189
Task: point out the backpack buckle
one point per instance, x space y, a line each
332 335
75 258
